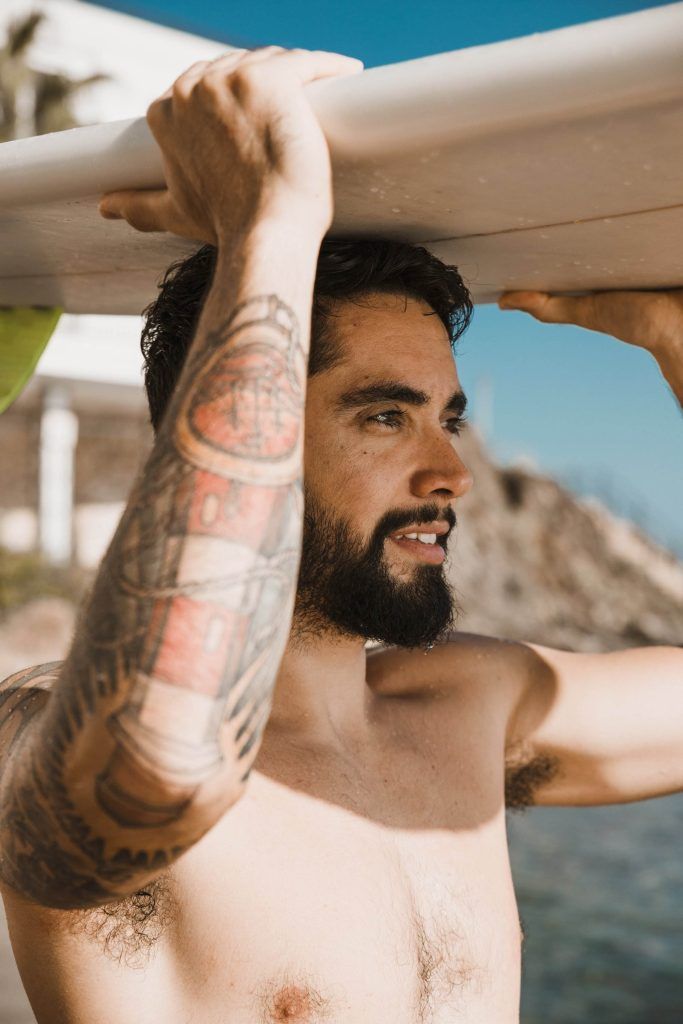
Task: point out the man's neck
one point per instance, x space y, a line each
321 694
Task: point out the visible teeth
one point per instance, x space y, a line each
426 538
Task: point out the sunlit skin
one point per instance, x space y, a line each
362 462
360 466
363 873
367 818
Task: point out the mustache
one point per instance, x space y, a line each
395 519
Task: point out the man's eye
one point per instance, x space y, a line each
455 424
389 418
393 417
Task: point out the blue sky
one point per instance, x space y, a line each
586 408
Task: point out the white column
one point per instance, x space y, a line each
58 438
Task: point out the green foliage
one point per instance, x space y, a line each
49 94
24 577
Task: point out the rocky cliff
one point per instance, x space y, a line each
533 562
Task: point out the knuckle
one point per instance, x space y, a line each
198 65
245 73
273 48
154 112
182 90
211 85
243 80
184 86
158 114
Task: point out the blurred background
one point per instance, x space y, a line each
572 535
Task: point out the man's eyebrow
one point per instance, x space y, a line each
396 391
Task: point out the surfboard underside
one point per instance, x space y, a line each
563 193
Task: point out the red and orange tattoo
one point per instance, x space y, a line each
181 637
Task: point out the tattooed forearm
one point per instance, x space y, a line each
168 684
221 575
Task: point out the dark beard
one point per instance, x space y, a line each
346 588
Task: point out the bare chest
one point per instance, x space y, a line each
332 893
330 907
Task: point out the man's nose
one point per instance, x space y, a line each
441 470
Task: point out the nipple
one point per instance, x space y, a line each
296 1003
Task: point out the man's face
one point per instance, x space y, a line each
380 462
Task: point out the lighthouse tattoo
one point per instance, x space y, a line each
209 564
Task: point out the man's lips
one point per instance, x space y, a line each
434 554
439 528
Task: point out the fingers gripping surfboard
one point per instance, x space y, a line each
549 162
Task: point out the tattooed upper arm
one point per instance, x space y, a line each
164 695
23 696
162 700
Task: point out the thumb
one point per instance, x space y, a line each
144 209
551 309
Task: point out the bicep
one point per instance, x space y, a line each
611 723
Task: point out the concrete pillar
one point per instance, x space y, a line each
58 438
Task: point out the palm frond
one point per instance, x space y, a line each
21 33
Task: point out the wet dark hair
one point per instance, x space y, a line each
346 269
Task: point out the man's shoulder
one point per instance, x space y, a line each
460 662
469 678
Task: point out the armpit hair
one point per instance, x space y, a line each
128 930
523 780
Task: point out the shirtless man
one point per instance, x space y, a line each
220 808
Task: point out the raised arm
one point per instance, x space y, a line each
610 725
580 728
152 723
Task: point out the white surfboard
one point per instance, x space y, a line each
553 162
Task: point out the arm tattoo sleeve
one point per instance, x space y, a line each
169 680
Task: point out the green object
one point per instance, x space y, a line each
24 333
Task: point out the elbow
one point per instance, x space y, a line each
77 858
177 791
61 889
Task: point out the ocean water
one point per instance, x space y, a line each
600 894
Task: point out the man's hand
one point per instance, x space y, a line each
652 320
646 319
240 143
